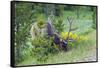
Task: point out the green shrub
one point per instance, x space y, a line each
42 47
58 24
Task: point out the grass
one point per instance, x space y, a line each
76 54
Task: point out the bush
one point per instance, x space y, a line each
42 47
58 24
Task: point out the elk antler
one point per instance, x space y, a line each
70 20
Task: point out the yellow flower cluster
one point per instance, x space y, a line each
83 38
74 36
64 35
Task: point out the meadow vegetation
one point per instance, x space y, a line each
79 36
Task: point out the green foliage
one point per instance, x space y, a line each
25 15
22 26
94 26
58 24
42 47
94 17
28 13
41 20
41 23
87 31
59 10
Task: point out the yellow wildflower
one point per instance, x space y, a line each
70 35
74 36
